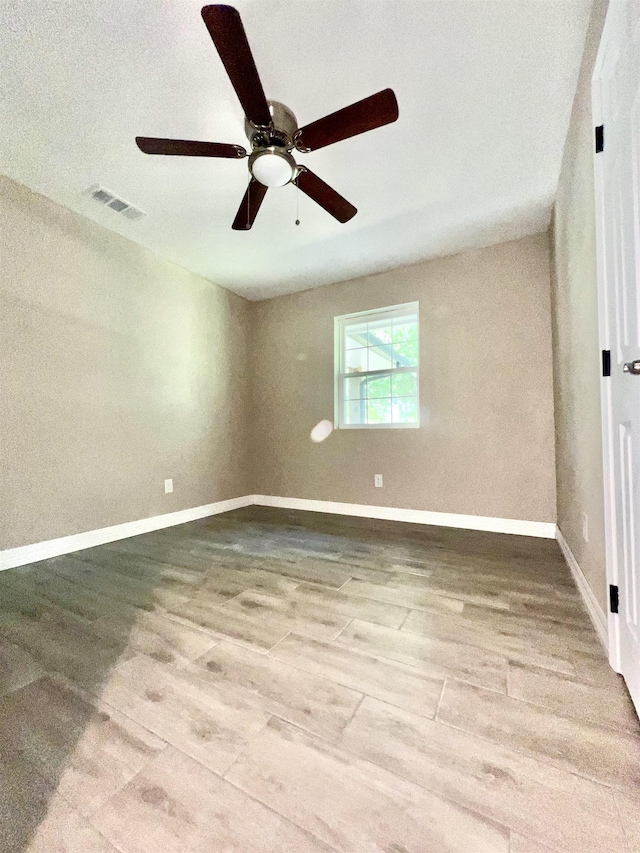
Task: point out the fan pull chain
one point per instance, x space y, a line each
249 202
297 202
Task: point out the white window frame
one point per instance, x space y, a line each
339 360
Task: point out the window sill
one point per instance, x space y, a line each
378 426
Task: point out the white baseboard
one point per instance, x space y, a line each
540 529
67 544
597 614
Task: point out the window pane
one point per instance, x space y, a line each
378 386
372 347
405 410
405 353
380 357
405 329
355 389
379 411
355 335
356 360
405 385
379 332
355 412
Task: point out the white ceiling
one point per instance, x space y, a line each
484 89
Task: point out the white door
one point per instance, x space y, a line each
618 184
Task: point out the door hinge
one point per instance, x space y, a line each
614 598
606 362
599 138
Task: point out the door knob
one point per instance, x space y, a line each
632 367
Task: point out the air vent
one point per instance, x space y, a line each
119 205
102 196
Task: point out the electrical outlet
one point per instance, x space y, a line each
168 487
585 527
377 481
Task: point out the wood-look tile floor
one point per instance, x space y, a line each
268 681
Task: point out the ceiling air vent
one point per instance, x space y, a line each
109 199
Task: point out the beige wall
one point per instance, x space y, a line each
576 354
117 370
486 444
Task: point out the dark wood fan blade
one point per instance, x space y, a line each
188 148
374 111
229 37
325 196
248 210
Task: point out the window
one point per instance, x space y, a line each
377 368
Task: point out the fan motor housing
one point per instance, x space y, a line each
281 132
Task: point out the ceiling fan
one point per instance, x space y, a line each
272 129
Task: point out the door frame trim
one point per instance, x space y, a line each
612 29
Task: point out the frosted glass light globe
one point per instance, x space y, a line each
272 167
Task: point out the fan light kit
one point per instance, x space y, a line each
272 128
272 166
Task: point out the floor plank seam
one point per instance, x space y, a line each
364 760
419 667
539 757
281 640
434 791
444 684
277 813
349 686
241 753
590 720
406 616
341 630
355 711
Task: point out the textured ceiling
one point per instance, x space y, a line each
484 89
